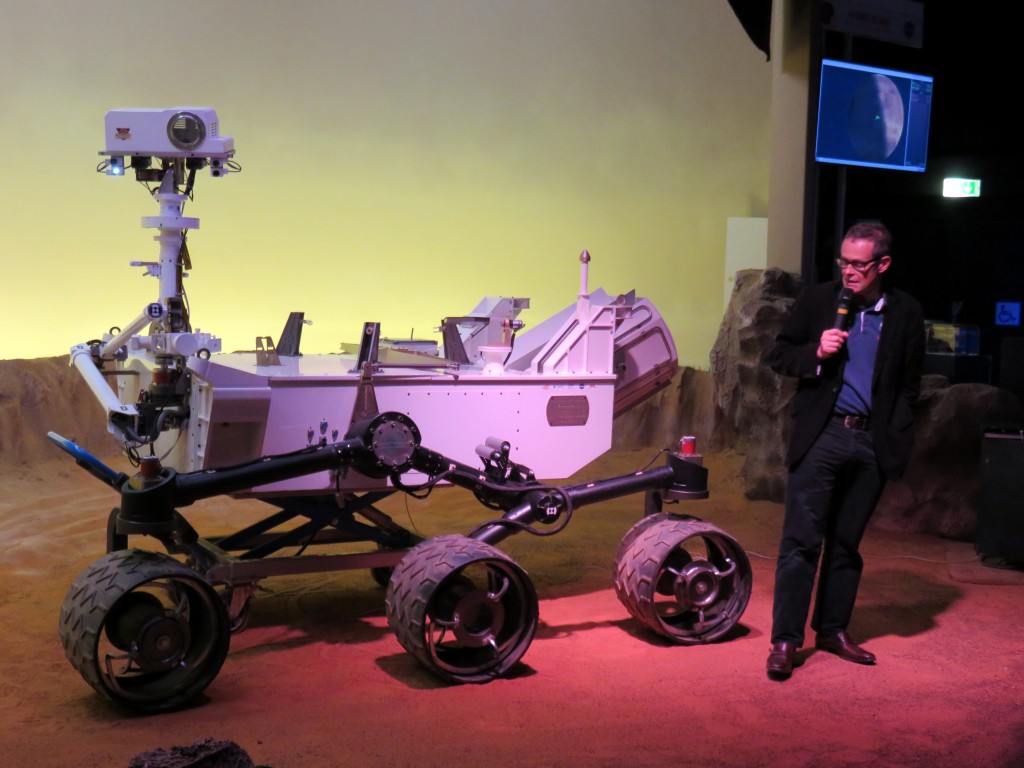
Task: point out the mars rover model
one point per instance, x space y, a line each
321 439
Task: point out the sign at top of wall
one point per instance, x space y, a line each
892 21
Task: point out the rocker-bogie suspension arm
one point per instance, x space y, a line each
680 479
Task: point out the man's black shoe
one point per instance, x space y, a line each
842 646
780 660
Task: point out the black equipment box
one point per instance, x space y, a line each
1000 528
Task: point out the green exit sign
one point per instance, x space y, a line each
961 187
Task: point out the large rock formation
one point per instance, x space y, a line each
752 398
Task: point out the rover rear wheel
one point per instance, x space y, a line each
144 630
684 578
463 608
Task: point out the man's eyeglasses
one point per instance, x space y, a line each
857 266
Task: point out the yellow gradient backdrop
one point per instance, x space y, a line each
400 159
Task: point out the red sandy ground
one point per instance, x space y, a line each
319 680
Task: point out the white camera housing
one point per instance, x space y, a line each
173 132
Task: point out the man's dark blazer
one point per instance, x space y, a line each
895 385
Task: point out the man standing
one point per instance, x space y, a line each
857 351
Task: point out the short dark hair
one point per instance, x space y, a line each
876 232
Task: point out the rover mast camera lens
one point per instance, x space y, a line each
186 130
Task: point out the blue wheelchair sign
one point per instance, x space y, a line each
1007 313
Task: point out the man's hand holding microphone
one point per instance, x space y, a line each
832 339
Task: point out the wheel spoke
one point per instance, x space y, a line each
496 596
109 664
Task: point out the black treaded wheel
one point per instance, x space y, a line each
144 630
381 576
463 608
684 578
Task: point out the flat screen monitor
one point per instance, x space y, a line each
873 117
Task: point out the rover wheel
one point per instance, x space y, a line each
463 608
237 602
684 578
144 630
381 576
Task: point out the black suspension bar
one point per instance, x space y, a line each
680 478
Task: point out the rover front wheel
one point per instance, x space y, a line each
144 630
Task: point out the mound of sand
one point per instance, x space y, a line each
46 395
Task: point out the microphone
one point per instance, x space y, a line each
843 310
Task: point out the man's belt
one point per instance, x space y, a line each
852 422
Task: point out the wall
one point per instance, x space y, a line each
791 24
